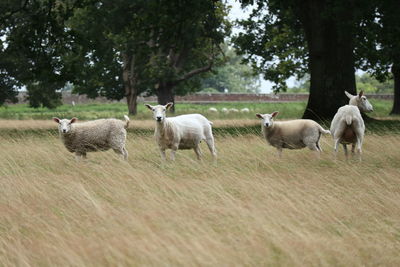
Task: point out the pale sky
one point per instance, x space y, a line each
238 13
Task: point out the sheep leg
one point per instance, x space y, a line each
359 144
211 146
79 155
360 137
279 152
336 146
315 148
174 148
173 152
346 153
123 152
162 153
197 150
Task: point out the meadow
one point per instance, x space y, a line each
250 208
116 110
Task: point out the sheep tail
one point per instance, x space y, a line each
322 130
126 121
210 123
349 119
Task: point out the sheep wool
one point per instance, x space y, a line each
97 135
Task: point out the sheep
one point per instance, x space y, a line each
97 135
360 101
181 132
225 110
245 110
212 109
347 126
233 110
294 134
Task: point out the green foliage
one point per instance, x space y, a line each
273 42
34 38
231 75
45 95
365 82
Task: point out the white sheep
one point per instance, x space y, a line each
360 101
225 110
233 110
347 126
293 134
212 109
181 132
97 135
245 110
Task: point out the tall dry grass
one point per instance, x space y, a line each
249 209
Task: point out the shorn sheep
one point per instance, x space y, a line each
347 126
360 101
97 135
181 132
294 134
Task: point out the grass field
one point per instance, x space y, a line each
249 208
94 111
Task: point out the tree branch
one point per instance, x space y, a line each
193 73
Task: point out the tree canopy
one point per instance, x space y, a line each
111 48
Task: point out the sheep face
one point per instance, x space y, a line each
267 119
159 111
360 101
64 125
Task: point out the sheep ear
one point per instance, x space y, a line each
274 114
56 119
169 105
259 115
149 106
73 120
361 93
348 94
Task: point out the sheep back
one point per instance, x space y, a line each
291 134
95 135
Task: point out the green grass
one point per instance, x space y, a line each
95 111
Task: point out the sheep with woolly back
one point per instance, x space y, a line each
181 132
348 126
90 136
293 134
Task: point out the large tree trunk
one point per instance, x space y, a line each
331 63
128 77
165 94
396 100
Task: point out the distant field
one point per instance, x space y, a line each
94 111
249 209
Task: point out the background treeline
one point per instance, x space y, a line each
126 48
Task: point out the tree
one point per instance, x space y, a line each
141 46
379 46
323 32
231 75
33 39
114 48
